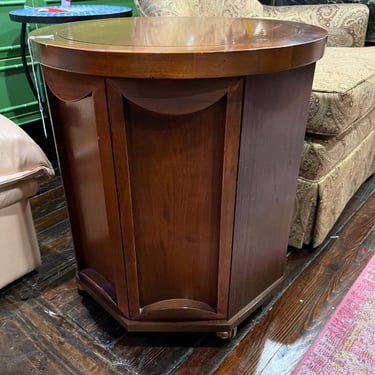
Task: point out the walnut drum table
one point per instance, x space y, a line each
179 142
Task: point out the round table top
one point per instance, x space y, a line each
178 47
60 14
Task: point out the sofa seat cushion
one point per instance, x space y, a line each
343 90
321 154
20 157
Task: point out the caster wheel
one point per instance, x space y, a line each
227 335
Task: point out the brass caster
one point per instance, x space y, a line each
227 335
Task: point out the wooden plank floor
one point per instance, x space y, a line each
47 327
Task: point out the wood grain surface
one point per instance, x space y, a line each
172 181
194 47
47 327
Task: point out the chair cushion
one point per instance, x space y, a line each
17 192
20 157
343 90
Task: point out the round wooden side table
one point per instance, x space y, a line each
179 142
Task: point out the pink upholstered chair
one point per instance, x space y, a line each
22 166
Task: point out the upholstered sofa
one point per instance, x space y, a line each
23 165
339 148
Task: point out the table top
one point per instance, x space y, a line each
59 14
193 47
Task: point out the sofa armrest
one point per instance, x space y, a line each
346 23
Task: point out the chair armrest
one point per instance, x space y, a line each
346 23
18 191
20 157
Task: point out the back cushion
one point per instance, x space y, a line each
227 8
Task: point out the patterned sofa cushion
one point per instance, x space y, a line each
343 90
318 204
346 23
320 155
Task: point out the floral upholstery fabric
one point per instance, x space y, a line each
318 204
339 148
346 23
320 155
305 206
226 8
342 94
341 111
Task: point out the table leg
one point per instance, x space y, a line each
23 46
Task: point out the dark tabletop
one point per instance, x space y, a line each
58 14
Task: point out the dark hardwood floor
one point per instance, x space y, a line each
47 327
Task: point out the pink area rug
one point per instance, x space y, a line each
346 344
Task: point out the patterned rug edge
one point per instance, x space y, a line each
345 344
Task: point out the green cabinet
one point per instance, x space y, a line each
17 101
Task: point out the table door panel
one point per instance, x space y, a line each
81 129
176 173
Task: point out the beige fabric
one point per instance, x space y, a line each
228 8
305 203
22 165
343 89
18 243
20 157
341 184
338 153
346 23
320 155
319 203
17 192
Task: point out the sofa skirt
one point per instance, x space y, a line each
319 203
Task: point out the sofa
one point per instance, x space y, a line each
339 147
23 165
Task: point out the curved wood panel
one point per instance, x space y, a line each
177 176
167 98
95 281
65 89
82 136
175 168
177 309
